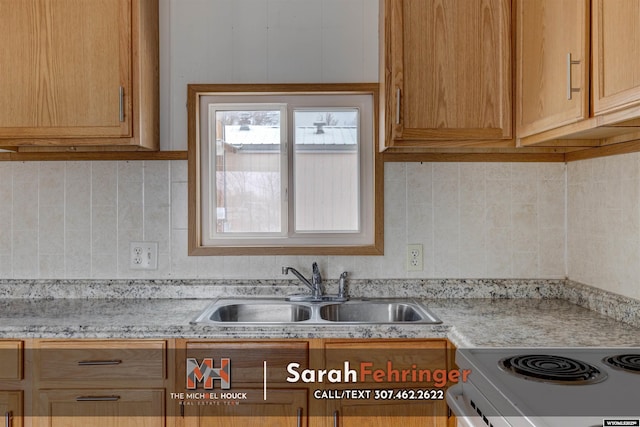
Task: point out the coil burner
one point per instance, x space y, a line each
552 369
624 362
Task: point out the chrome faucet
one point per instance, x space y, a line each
316 286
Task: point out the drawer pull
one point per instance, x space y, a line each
97 398
335 418
99 362
299 417
8 419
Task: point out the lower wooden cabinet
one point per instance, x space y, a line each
402 401
283 408
101 383
11 373
375 413
138 383
303 403
98 408
11 408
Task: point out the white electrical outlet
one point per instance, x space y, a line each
414 257
143 256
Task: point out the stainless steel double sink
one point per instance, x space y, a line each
261 311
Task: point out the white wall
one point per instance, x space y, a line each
260 41
604 223
75 219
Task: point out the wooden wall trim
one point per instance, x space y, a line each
607 150
90 156
474 157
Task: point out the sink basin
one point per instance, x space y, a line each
262 311
377 312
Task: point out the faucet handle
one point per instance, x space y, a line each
285 270
316 277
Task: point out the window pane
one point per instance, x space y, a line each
248 172
326 170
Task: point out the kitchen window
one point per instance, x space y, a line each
286 169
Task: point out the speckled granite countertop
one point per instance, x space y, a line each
512 313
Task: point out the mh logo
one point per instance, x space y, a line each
205 372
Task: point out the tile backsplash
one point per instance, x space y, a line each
604 223
475 220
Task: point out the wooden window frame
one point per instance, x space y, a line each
195 244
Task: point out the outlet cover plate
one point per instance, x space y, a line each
414 257
143 256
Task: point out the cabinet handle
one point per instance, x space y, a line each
571 89
99 362
121 103
398 106
335 418
97 398
299 418
8 419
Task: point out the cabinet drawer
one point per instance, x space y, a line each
104 407
92 361
247 358
11 360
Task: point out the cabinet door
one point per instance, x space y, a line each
551 90
11 408
448 70
390 355
81 408
11 360
65 64
616 54
377 413
283 408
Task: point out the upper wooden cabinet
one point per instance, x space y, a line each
447 73
79 73
552 64
578 72
616 54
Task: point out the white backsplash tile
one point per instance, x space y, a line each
474 220
179 205
51 265
104 229
51 230
603 217
25 253
5 231
77 253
